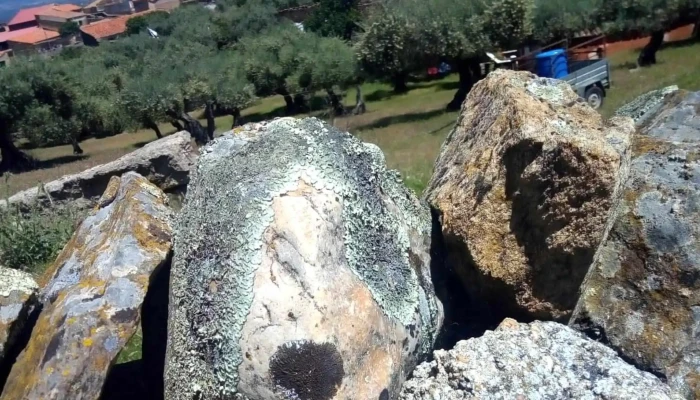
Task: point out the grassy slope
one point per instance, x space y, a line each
409 127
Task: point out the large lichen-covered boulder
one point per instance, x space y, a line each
300 270
18 297
165 162
642 294
91 305
523 186
541 360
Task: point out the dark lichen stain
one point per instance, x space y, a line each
384 395
124 316
52 347
412 330
311 370
159 234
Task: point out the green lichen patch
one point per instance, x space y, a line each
219 239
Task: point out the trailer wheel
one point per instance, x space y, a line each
594 97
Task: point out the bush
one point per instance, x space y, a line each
31 239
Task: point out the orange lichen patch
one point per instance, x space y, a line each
643 144
26 371
693 381
110 192
152 234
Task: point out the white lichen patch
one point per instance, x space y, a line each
12 280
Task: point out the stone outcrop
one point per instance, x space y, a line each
18 296
92 302
541 360
523 187
165 163
300 270
642 294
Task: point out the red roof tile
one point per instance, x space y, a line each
109 27
28 14
54 12
5 36
34 35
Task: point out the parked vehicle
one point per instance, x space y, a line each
589 78
583 66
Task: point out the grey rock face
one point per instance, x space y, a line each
523 187
165 163
537 361
642 294
92 303
18 295
300 271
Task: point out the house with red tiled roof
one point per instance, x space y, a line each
117 7
105 30
7 35
52 18
26 18
35 39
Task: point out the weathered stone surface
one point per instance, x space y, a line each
523 186
166 163
92 303
642 294
541 360
18 295
300 270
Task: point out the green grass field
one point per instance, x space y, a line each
409 128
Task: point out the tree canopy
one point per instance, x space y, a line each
217 62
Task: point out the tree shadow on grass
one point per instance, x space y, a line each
259 117
450 85
437 130
625 66
56 161
401 119
139 145
385 94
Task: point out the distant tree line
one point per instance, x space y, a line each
406 34
221 61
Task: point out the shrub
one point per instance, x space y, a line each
31 239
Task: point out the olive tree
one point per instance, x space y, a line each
16 98
271 63
411 34
653 17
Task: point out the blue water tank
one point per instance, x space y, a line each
552 64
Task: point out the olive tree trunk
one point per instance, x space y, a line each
211 122
191 125
398 81
77 150
12 158
647 56
237 119
150 124
469 72
336 105
360 107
